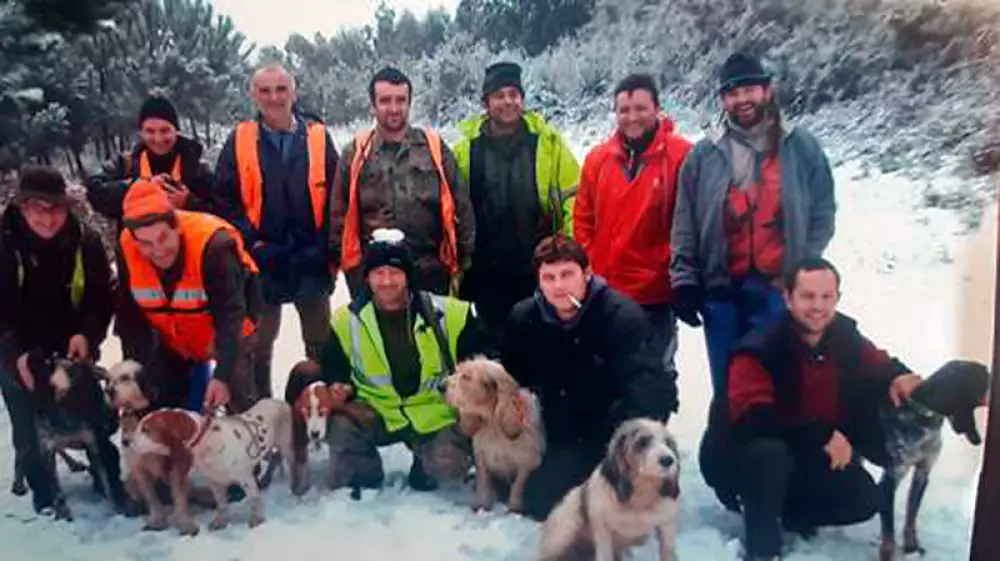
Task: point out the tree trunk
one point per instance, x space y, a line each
77 156
985 537
194 128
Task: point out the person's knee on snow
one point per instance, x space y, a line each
446 458
354 457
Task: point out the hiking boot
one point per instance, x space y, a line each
418 478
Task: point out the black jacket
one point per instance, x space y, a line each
591 374
37 311
106 189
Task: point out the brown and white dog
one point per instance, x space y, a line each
632 494
506 427
226 450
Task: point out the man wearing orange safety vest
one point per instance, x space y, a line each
273 181
187 297
162 155
399 176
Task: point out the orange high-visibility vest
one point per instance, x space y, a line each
183 322
146 171
252 180
350 241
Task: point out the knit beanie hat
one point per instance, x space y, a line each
388 247
156 107
742 69
954 391
145 199
501 75
41 182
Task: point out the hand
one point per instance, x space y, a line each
162 179
216 395
27 380
686 303
177 193
79 348
341 393
839 449
902 387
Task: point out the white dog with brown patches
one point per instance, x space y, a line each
505 424
631 495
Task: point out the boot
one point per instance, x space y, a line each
418 478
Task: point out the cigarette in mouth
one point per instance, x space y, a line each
574 301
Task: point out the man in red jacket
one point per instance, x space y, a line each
802 410
625 205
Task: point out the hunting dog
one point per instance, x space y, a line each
913 440
232 449
71 415
505 424
631 495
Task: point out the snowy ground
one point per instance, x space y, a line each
919 288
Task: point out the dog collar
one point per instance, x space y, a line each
203 425
923 411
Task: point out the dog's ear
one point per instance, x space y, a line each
617 470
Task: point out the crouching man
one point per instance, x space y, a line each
57 290
394 345
587 352
803 396
188 294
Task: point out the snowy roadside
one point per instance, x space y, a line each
907 279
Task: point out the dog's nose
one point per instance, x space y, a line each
314 435
666 461
442 385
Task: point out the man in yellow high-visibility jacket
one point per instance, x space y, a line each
391 348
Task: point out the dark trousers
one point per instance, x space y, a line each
799 490
182 383
751 301
27 452
562 469
314 318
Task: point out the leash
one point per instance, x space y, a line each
923 411
206 422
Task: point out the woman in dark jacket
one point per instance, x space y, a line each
162 155
57 290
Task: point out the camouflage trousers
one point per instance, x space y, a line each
440 458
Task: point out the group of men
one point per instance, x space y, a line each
573 277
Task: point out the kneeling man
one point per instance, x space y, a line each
394 345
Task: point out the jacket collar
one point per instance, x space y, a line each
596 287
656 148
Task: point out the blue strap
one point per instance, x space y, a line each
197 386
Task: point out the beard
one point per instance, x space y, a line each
758 113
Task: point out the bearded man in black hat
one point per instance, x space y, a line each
162 155
387 354
751 203
522 178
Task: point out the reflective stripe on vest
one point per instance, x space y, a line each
251 178
426 411
350 239
77 283
183 323
146 171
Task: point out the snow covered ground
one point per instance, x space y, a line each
920 288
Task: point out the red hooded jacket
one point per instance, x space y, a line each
624 224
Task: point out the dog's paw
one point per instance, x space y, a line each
256 520
218 523
187 528
155 525
62 512
18 488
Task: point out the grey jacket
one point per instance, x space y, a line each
699 251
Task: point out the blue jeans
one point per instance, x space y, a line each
200 375
750 302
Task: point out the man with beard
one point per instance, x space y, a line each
626 202
399 176
751 204
164 156
522 177
274 175
802 401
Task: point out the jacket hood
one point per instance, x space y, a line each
472 127
596 287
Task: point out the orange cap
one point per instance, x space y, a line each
145 198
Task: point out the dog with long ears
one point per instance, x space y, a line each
227 450
505 423
913 441
630 496
71 415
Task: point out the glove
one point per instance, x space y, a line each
687 303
